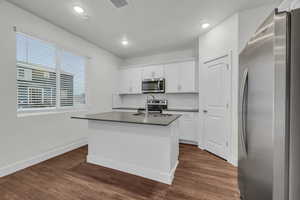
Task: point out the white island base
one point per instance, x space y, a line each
150 151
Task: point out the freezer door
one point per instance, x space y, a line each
263 111
295 108
256 115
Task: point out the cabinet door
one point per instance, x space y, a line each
181 77
172 77
188 130
187 77
155 71
130 81
188 127
124 82
136 80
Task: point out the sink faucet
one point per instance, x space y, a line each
153 97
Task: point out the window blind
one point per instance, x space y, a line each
72 85
47 76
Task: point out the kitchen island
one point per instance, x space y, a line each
136 143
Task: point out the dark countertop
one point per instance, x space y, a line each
170 109
129 117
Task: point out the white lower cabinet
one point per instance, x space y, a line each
188 127
188 130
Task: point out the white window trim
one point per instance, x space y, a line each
48 111
57 109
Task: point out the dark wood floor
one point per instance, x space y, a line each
199 176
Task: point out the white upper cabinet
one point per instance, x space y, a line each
172 77
188 77
130 81
181 77
155 71
123 81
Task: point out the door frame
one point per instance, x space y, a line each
229 115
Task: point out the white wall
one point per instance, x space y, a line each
250 20
296 4
231 35
288 5
23 138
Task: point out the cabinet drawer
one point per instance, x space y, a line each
188 116
185 115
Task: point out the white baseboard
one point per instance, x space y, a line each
234 162
4 171
188 142
163 177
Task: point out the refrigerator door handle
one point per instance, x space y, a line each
244 110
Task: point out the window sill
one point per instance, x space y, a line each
21 114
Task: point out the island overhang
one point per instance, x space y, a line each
131 117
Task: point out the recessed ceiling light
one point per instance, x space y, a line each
125 42
78 9
205 25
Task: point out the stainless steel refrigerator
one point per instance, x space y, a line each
269 110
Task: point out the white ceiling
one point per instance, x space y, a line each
151 26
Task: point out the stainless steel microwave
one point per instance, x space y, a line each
156 85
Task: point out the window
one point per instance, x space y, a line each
72 82
48 77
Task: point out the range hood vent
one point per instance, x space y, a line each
119 3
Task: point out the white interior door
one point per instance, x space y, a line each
216 105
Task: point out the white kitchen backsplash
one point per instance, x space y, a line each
180 101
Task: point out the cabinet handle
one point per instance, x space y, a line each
205 111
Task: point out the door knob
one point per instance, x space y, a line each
205 111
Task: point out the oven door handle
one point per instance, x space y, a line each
162 83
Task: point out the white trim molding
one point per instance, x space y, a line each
234 162
12 168
159 63
166 178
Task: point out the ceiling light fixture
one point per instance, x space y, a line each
78 9
205 25
125 42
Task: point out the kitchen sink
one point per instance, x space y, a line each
153 114
138 114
